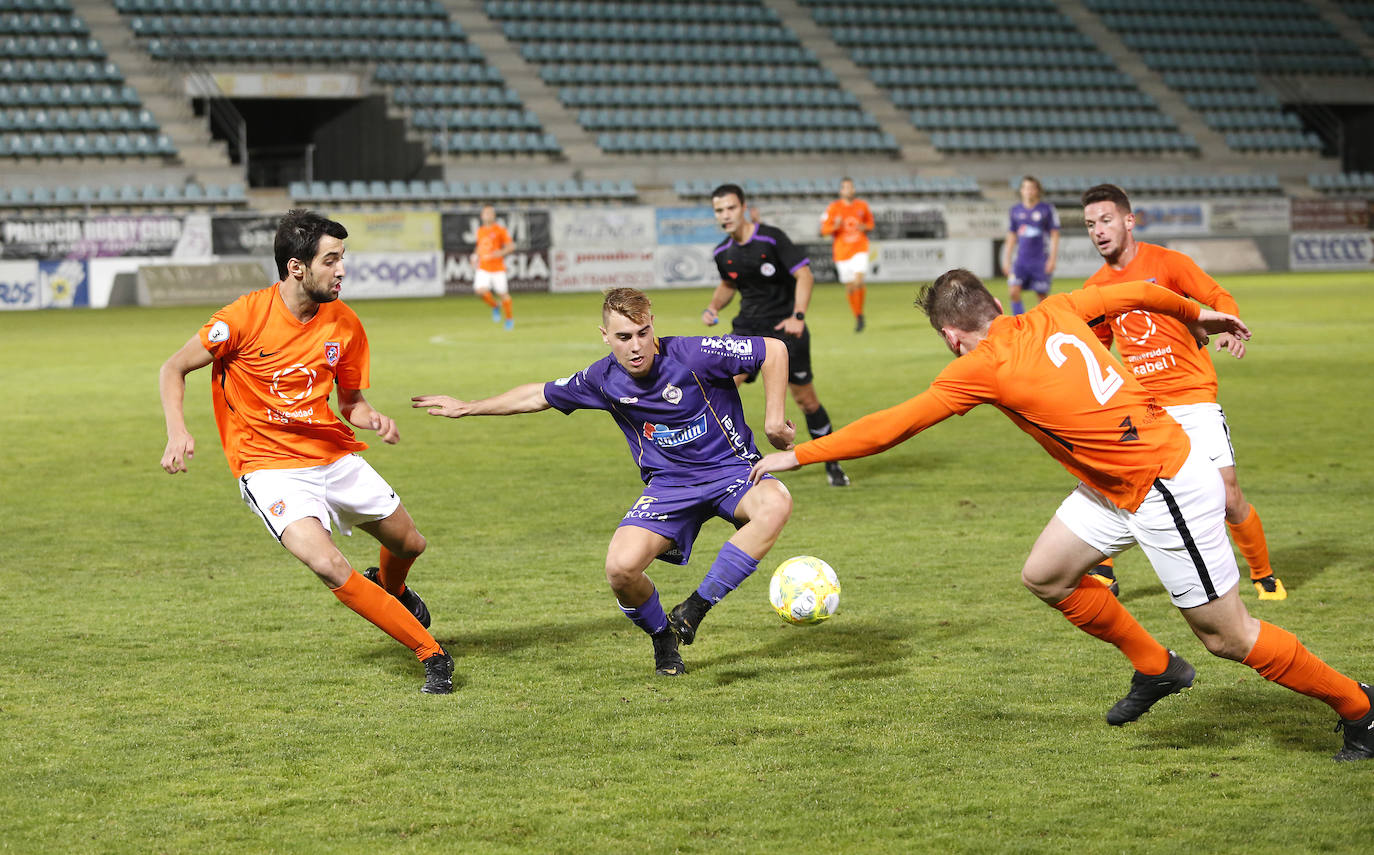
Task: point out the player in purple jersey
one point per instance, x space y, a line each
676 401
1032 246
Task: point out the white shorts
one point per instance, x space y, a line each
1181 528
490 280
1206 427
345 492
852 268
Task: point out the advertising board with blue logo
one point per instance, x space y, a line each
1331 251
375 275
19 285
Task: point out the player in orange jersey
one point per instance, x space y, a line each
1161 353
493 245
848 221
277 355
1141 482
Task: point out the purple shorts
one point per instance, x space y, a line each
678 511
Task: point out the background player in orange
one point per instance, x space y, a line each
1141 482
1162 355
493 245
277 354
849 221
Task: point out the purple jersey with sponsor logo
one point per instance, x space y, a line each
684 421
1032 227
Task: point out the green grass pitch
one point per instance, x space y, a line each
172 681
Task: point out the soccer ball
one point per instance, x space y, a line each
804 590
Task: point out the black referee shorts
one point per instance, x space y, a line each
798 352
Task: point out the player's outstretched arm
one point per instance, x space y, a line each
778 461
779 429
171 383
528 398
1221 324
358 412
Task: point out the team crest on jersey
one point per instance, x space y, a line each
278 508
767 269
219 332
672 394
331 353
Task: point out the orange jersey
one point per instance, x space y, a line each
490 241
272 377
1159 350
1048 372
848 222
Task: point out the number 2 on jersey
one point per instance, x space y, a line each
1103 381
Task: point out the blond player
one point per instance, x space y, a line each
1142 482
848 221
278 353
494 243
1162 355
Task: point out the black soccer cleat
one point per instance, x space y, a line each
667 661
835 475
1146 689
686 617
858 323
408 598
1359 734
438 675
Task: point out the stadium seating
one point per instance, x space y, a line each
1214 54
1342 183
401 193
61 97
1362 11
1071 187
998 76
86 197
421 54
665 78
698 190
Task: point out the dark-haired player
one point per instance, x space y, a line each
1162 355
277 354
1141 483
773 279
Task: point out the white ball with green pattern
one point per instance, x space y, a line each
804 590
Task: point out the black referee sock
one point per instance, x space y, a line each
818 423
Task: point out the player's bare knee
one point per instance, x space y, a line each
333 570
413 546
621 575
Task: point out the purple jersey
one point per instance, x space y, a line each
684 421
1032 227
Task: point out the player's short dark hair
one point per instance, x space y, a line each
958 299
630 302
726 190
1039 188
298 236
1107 193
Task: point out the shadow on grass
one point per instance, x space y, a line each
1220 714
847 650
1294 564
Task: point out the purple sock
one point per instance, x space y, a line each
1018 307
648 615
731 567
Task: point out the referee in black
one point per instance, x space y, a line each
774 281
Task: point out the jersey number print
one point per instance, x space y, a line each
1104 382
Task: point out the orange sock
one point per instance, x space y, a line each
387 614
507 308
1279 657
1093 609
856 300
488 299
1249 538
392 572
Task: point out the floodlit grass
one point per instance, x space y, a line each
172 681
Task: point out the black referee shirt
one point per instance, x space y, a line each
763 270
